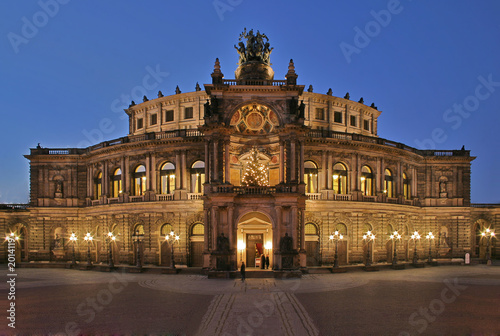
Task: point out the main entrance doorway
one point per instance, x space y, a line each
255 249
255 237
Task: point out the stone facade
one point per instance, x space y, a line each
181 165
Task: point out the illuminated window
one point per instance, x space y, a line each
139 180
167 178
165 230
197 177
366 181
339 178
310 229
311 177
198 230
388 183
98 186
406 187
116 183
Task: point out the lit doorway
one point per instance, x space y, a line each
255 237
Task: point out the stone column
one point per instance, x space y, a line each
301 162
292 156
207 162
214 224
183 170
148 172
329 175
126 176
276 238
178 170
215 172
227 158
153 172
105 178
282 162
324 165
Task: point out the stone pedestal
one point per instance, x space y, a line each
338 270
398 266
254 70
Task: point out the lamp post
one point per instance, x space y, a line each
171 239
368 237
430 237
415 236
137 238
488 234
73 239
395 237
88 238
111 239
336 236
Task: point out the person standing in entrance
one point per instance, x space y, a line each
242 271
267 261
262 261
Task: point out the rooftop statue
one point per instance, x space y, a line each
257 47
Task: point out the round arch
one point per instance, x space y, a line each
254 237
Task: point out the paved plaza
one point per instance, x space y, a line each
444 300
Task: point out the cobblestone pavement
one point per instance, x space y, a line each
445 300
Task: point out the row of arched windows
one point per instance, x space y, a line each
340 180
139 180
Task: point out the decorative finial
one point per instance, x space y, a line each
217 75
347 96
217 65
291 76
310 89
177 90
145 99
160 94
197 88
373 106
330 92
361 100
132 103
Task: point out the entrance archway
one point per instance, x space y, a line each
255 233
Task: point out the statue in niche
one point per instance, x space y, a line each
286 243
442 186
443 192
57 241
302 109
208 112
222 243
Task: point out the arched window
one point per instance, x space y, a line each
165 230
366 181
388 183
198 230
311 177
98 186
139 180
339 178
310 229
197 177
116 183
342 229
406 187
167 178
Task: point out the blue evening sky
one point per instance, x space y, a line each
432 67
